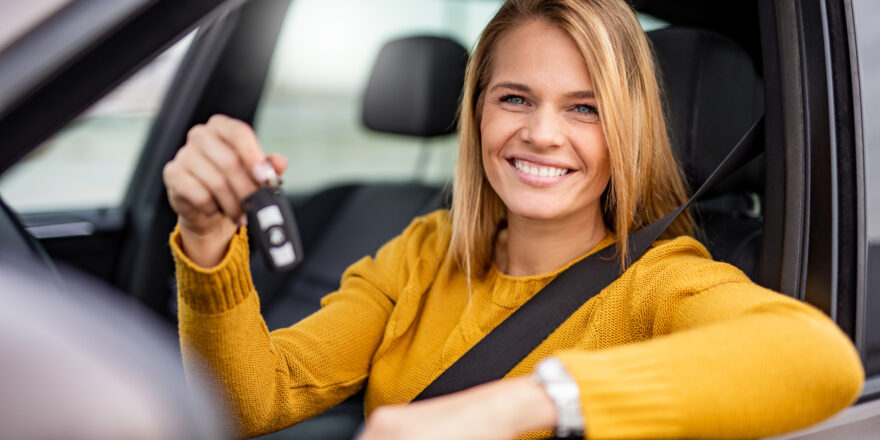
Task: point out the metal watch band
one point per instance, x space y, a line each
563 390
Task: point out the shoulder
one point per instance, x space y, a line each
426 236
419 247
434 227
683 263
680 246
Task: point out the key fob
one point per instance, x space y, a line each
272 226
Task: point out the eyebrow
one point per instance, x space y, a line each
581 94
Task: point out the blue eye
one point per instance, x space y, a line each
585 109
514 99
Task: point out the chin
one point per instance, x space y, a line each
533 212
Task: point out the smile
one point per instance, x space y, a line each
539 174
537 170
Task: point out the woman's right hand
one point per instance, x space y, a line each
207 180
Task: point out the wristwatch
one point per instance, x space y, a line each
564 392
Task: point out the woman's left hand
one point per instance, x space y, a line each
497 410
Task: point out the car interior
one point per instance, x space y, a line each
710 63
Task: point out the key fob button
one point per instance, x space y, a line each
277 237
283 255
270 216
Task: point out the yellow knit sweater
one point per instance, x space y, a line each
678 346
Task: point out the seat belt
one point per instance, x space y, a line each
512 340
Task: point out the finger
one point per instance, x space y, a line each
240 136
279 162
186 194
224 158
197 202
218 186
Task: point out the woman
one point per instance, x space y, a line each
563 151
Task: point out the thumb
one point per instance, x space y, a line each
278 162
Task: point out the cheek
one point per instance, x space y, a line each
492 140
489 132
492 137
497 129
595 152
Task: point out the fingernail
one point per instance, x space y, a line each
260 171
264 173
242 221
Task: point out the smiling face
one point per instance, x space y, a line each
542 144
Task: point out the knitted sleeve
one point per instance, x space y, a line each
273 380
721 357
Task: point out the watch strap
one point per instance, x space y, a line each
565 394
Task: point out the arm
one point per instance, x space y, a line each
719 357
273 380
727 358
496 410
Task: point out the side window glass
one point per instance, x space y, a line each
89 163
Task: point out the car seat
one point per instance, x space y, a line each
712 96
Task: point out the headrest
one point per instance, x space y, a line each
415 86
713 96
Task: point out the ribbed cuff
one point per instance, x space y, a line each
625 393
219 288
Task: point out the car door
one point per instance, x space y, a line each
819 141
864 43
822 139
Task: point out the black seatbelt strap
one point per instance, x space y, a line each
512 340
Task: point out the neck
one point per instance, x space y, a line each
533 247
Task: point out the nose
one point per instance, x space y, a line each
543 129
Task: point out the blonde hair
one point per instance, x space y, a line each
646 181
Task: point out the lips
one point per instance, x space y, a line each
539 172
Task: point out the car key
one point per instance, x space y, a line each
271 224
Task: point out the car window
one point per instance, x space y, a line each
88 164
867 38
310 110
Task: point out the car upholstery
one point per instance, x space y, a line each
713 95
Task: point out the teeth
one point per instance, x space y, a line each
539 171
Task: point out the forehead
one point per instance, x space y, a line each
539 55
